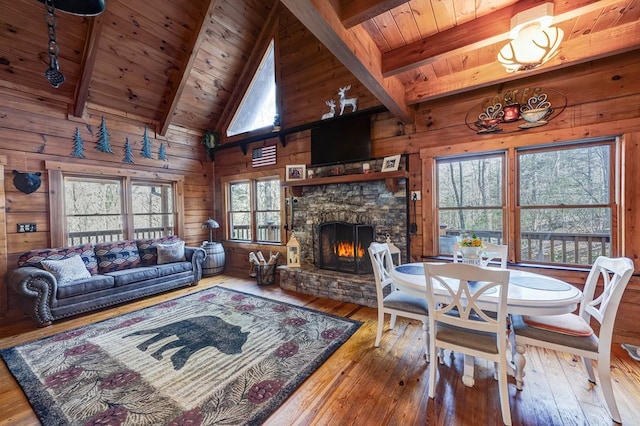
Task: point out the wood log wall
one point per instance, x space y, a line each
32 132
603 99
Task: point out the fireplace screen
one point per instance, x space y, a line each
343 247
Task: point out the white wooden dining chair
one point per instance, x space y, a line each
393 301
573 333
459 321
491 253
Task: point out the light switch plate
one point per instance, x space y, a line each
27 227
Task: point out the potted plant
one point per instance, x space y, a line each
210 140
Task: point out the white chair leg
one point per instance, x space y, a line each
380 325
504 393
425 327
588 365
604 371
519 362
432 368
392 322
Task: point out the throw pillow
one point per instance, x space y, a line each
117 255
169 253
67 270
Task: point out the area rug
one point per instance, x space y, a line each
217 356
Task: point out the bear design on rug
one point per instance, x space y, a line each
194 334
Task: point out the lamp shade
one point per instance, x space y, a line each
533 47
79 7
211 224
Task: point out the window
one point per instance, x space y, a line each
153 208
470 199
107 206
566 202
258 106
564 196
254 210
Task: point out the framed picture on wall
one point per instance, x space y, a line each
390 164
296 172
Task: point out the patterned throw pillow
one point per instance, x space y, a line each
85 251
148 248
169 253
117 255
67 270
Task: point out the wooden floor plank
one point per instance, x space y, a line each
362 385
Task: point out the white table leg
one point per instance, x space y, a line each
467 377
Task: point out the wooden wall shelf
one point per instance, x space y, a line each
390 178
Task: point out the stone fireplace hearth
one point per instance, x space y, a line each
368 204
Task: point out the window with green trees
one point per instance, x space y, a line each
564 201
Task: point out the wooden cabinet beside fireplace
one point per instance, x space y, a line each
391 179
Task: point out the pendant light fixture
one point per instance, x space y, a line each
75 7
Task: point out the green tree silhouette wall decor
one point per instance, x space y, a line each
146 145
103 138
78 145
128 153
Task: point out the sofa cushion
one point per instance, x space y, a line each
117 255
171 252
85 251
173 268
84 286
67 270
149 251
133 275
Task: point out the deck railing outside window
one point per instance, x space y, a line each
582 249
266 233
76 238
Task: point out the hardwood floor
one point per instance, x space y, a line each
363 385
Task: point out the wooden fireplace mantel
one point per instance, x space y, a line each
391 180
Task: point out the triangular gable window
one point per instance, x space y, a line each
258 106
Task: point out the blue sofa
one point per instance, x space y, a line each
116 272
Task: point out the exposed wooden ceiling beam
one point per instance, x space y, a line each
476 34
355 49
88 62
197 38
354 12
591 47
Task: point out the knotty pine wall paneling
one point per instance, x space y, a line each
32 132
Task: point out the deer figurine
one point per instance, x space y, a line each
344 102
331 104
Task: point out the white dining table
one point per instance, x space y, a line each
529 294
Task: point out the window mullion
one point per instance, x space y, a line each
127 208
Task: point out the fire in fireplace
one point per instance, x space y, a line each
343 247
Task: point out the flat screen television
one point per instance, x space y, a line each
341 141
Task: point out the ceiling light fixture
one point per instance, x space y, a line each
534 40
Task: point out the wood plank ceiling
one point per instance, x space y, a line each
178 62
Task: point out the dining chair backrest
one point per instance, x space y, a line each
382 263
464 285
490 253
613 274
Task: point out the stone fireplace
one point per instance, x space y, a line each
325 214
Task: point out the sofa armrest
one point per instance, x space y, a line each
36 289
196 256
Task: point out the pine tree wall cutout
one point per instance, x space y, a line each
78 145
162 155
146 145
103 138
128 153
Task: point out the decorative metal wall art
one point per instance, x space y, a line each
516 110
26 182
